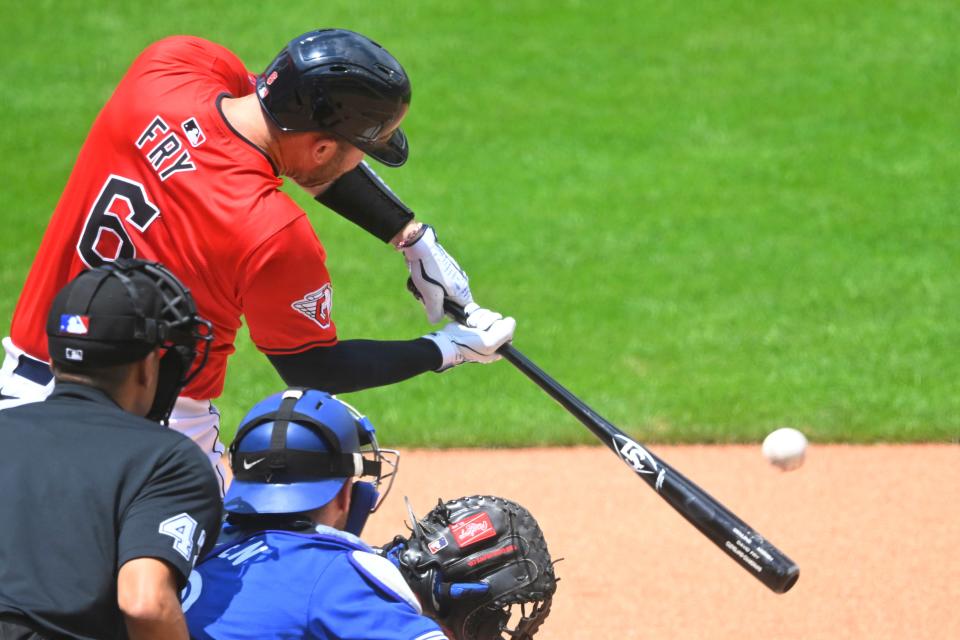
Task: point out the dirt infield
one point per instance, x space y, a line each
875 531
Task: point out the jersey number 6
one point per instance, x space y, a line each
104 238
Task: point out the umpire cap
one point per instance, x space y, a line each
344 83
118 313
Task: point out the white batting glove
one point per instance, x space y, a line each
476 341
436 275
480 318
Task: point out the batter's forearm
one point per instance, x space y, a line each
364 199
353 365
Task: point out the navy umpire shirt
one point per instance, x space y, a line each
85 487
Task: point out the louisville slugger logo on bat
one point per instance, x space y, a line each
634 455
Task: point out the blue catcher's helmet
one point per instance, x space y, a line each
295 450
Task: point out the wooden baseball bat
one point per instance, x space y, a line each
737 539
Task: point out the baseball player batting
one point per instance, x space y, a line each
183 166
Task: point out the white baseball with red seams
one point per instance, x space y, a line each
785 448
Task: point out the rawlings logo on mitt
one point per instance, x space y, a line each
495 578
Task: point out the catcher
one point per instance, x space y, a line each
289 562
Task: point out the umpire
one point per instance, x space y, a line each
103 511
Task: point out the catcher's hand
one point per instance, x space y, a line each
480 567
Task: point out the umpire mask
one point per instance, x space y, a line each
118 313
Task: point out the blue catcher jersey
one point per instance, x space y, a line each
280 584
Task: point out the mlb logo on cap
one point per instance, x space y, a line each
74 324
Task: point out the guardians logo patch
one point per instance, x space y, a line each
316 305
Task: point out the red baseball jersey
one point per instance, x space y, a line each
162 176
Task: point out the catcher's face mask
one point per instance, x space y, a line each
294 451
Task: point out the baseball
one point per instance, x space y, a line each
785 448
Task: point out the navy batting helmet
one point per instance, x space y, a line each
295 450
344 83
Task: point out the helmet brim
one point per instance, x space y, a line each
246 497
392 153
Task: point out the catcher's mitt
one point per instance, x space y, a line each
480 567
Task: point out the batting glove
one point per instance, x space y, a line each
435 274
476 341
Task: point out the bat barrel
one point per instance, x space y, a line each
731 534
737 539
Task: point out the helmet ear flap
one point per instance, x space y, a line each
322 109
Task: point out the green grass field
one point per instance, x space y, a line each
709 218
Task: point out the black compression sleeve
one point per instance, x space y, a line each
365 200
352 365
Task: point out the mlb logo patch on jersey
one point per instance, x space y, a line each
472 529
194 133
436 545
74 324
316 305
